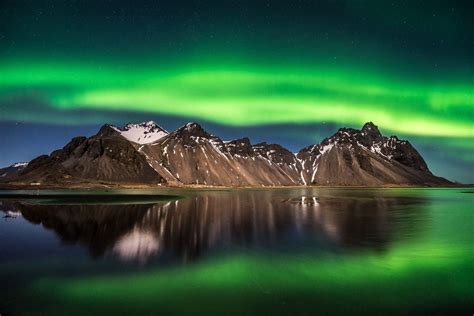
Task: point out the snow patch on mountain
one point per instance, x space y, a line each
142 133
19 164
326 148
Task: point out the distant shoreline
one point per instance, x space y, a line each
131 186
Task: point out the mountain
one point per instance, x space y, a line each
190 155
147 154
107 157
366 158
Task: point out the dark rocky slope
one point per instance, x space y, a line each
366 158
104 157
190 155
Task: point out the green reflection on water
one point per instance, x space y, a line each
253 282
432 273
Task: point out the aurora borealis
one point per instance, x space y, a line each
247 68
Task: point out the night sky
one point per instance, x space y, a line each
291 72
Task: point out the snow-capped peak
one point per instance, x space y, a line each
142 133
19 164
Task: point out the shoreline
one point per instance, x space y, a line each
132 186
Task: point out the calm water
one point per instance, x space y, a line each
281 251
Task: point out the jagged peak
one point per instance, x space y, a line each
190 126
245 141
368 135
369 125
371 129
193 129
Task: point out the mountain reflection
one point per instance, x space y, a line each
189 228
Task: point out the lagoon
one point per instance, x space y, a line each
242 251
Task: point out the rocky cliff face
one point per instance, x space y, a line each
105 157
190 155
146 153
365 157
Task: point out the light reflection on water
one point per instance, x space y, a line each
412 247
194 226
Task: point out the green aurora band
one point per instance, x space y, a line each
246 95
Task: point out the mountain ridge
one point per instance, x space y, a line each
146 154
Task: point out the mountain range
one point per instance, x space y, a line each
146 154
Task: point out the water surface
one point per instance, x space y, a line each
271 251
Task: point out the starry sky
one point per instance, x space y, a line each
291 72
